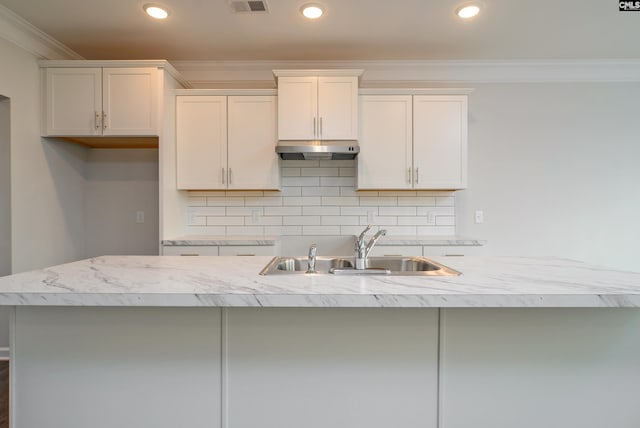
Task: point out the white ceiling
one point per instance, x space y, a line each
350 30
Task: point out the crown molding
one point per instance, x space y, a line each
420 72
23 34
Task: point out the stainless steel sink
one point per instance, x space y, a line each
395 265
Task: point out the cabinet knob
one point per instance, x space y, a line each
97 120
223 176
104 120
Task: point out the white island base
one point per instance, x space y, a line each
99 367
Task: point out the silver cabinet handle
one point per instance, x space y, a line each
409 175
97 119
230 177
314 128
104 120
223 176
320 126
417 175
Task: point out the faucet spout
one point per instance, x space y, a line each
313 251
362 249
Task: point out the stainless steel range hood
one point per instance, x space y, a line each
316 149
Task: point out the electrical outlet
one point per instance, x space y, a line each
479 217
140 217
371 216
255 216
431 218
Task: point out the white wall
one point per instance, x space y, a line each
5 186
555 168
47 184
118 184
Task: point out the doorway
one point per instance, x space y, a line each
5 186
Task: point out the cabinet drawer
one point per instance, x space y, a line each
248 250
397 250
451 250
190 250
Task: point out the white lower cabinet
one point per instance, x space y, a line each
396 250
318 368
249 250
194 250
532 368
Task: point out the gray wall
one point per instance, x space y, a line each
118 184
555 169
5 186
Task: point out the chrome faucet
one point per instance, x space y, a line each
313 250
363 250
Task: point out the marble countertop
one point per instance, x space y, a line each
234 282
205 240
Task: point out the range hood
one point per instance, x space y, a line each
317 149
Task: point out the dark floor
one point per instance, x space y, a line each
4 394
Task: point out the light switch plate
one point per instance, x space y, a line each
479 217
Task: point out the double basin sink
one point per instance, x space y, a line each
388 265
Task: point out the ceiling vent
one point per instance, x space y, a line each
253 6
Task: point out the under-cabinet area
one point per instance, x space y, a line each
274 367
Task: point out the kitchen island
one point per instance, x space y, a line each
207 342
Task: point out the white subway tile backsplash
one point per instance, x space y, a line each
291 191
340 200
197 201
242 211
222 201
283 230
360 211
300 220
445 201
303 200
445 220
284 210
319 198
225 221
245 230
290 172
319 210
378 200
408 211
301 181
337 220
320 191
263 220
416 201
318 172
321 230
337 181
263 201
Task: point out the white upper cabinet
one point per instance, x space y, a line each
385 157
440 141
252 159
226 142
87 101
316 104
413 142
201 142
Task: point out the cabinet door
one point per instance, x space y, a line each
297 108
201 142
130 101
338 108
248 250
190 250
73 104
440 141
253 161
347 367
384 161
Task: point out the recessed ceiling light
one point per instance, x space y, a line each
312 10
156 11
468 10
